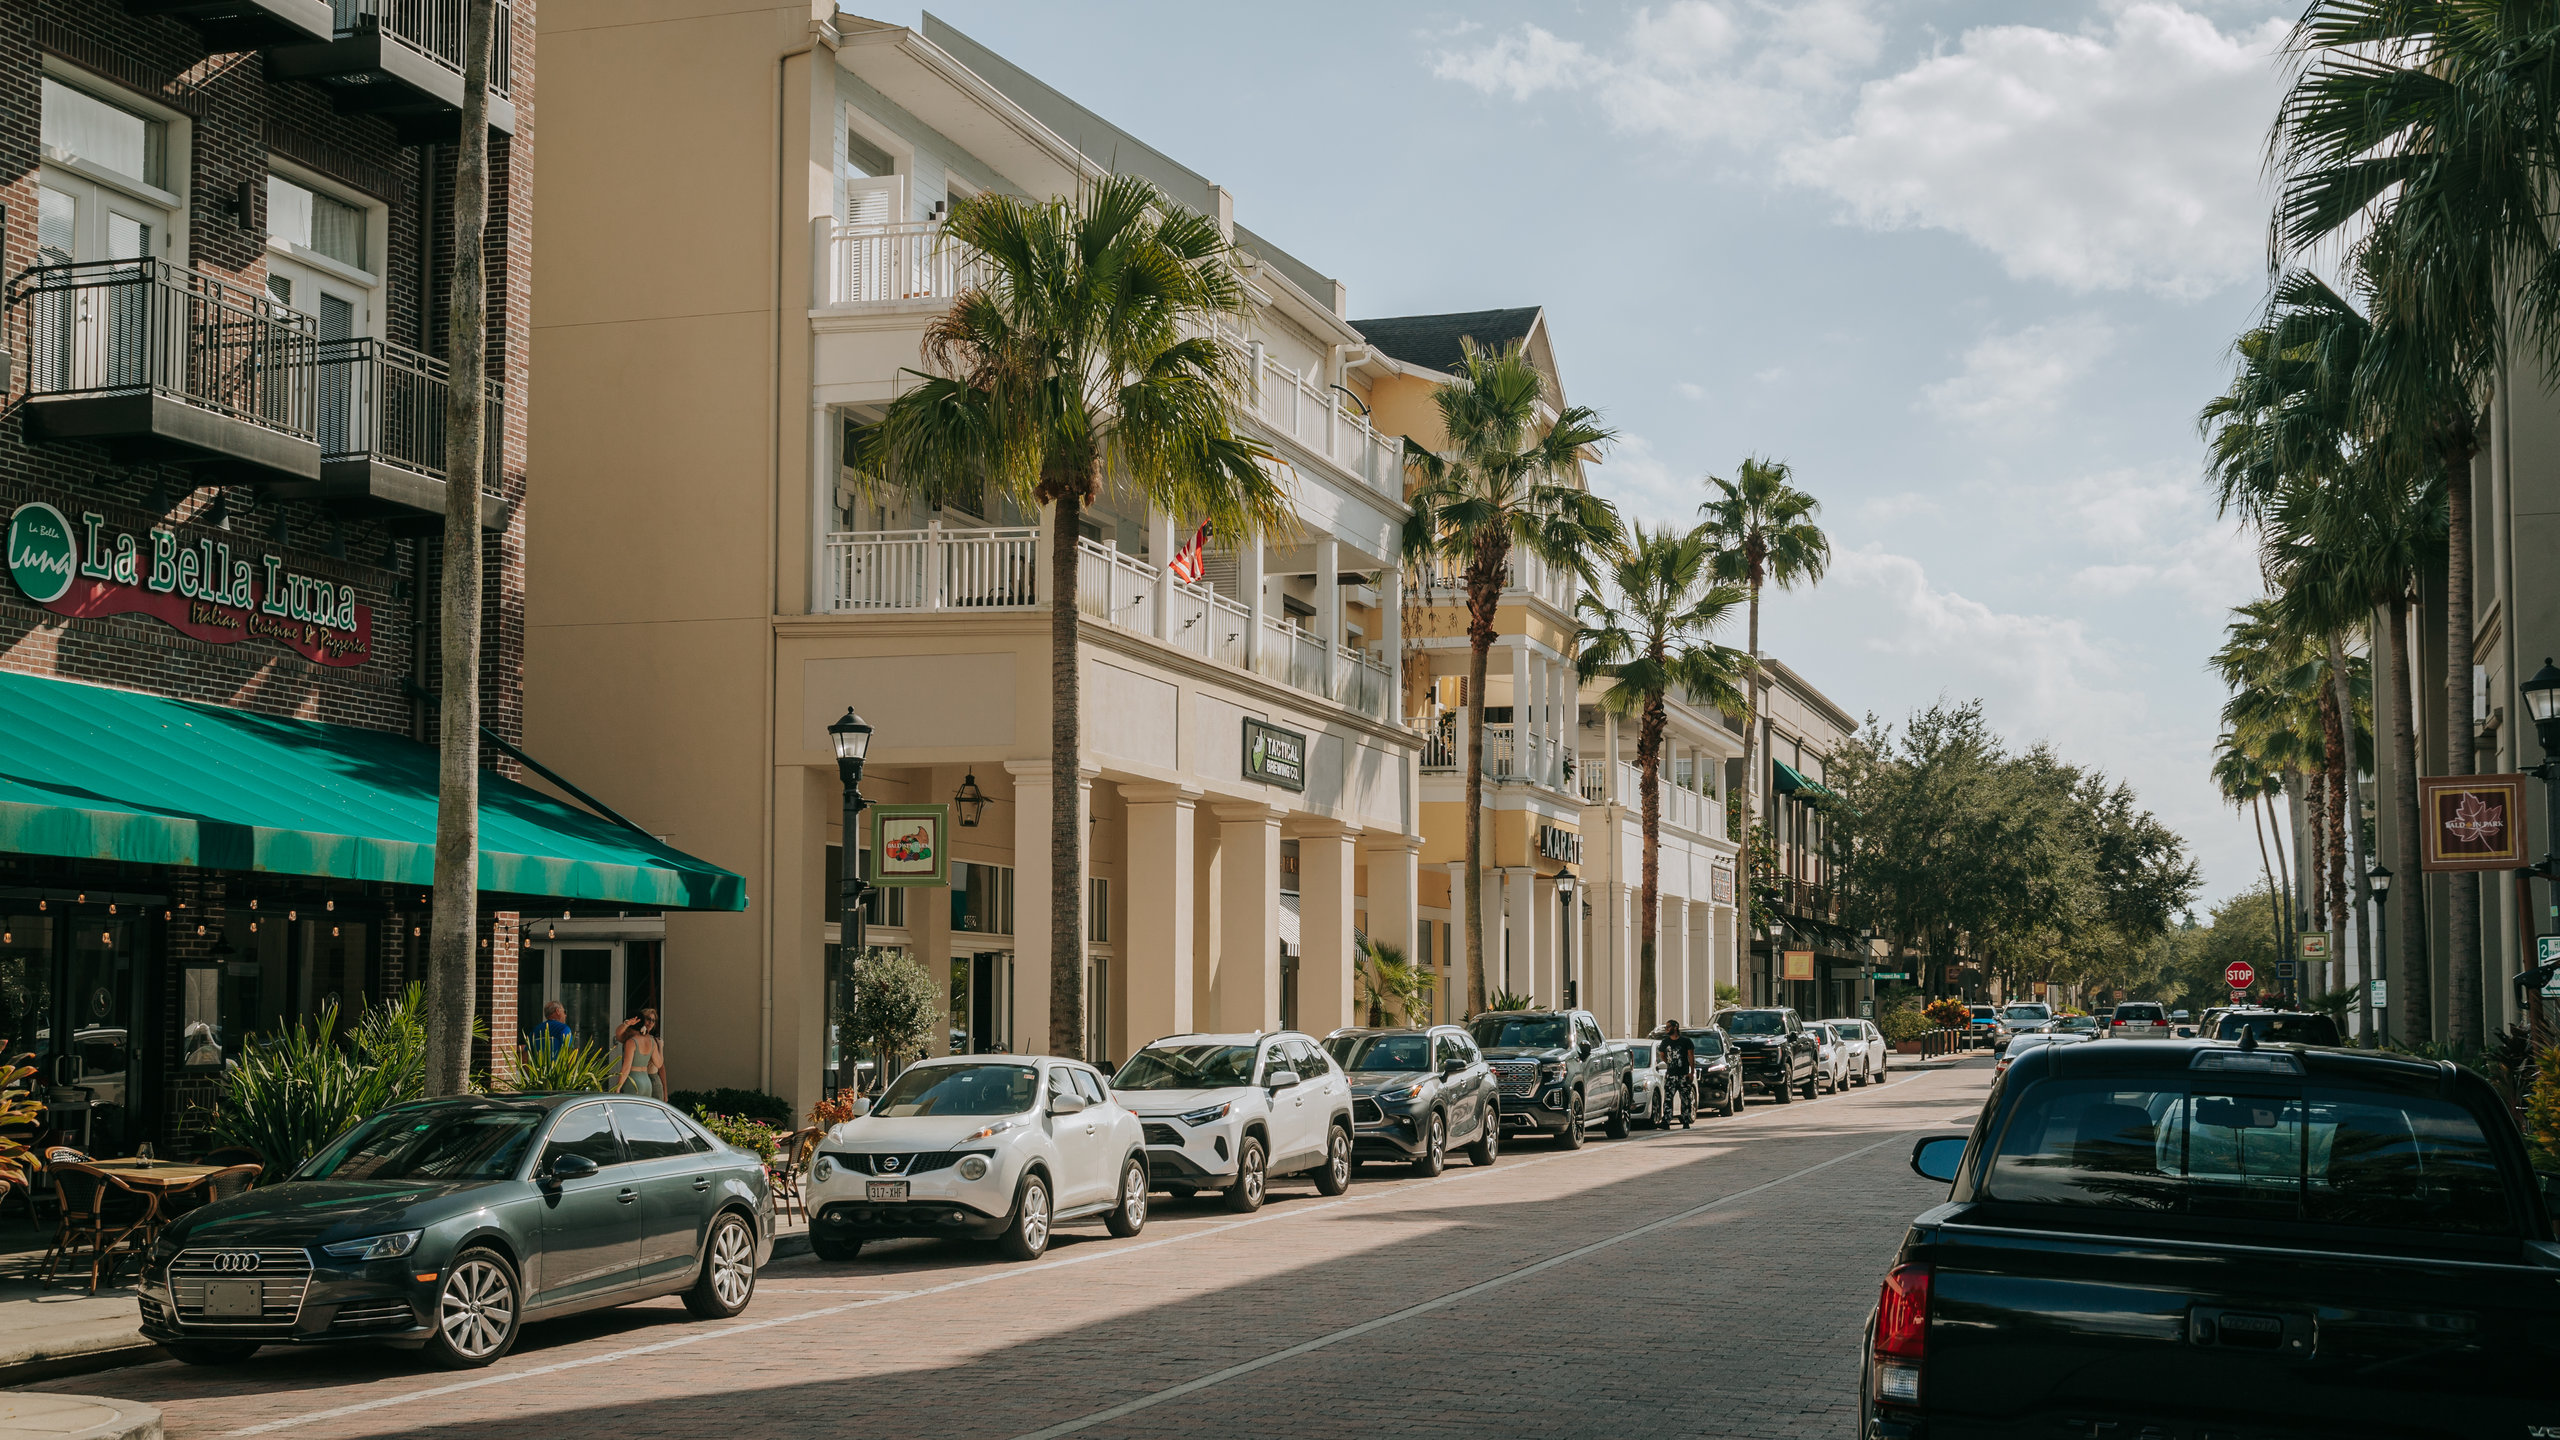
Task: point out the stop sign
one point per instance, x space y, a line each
2239 975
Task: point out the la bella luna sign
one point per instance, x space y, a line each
201 589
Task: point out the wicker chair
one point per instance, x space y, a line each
101 1211
220 1185
232 1155
789 1160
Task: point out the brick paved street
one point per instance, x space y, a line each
1531 1298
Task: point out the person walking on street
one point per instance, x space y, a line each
644 1057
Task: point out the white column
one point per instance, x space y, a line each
1394 864
1044 577
1702 957
1520 920
1391 639
1546 977
1455 1005
1327 995
1611 941
1157 951
1033 965
1609 758
1160 543
1329 625
1495 976
1523 705
1249 573
1672 955
1245 986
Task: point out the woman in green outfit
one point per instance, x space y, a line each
644 1058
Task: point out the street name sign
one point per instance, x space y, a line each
1893 974
2239 975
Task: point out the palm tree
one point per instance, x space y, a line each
1655 644
1502 484
454 920
2247 785
1086 350
1764 532
2434 126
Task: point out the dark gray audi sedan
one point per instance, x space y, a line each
444 1225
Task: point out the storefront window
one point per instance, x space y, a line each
26 982
981 898
884 908
281 966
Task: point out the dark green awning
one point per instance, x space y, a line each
1791 781
92 773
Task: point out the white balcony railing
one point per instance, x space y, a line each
1115 586
1325 420
1689 810
875 264
1433 583
934 569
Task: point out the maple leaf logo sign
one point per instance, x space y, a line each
2475 822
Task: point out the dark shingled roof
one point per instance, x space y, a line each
1431 341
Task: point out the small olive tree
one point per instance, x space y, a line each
896 1009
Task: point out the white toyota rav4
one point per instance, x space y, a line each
1229 1112
982 1147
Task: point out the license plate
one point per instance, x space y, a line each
885 1190
234 1299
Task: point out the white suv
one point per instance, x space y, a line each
1228 1112
982 1147
1865 1047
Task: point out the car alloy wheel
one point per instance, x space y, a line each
728 1271
1130 1216
1246 1194
1028 1237
1435 1147
1335 1177
1571 1136
476 1311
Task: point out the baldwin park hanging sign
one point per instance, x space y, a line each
201 590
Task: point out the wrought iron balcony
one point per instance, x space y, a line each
401 59
158 363
381 418
231 26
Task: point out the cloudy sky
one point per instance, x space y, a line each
1970 266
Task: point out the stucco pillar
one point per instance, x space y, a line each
1160 546
1454 1005
1157 950
1328 599
1520 922
1245 985
1523 707
1249 575
1044 578
1672 954
1546 978
1391 639
1032 879
1328 998
1395 871
1609 758
1493 959
1611 960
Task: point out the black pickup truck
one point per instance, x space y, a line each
1557 1074
2199 1241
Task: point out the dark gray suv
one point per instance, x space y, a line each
1557 1073
1415 1092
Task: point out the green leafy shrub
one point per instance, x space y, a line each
584 1068
1507 1000
287 1095
1728 997
750 1104
2542 1112
1903 1022
745 1132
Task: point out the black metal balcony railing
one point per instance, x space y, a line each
432 28
114 328
385 404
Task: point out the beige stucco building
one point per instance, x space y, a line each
711 589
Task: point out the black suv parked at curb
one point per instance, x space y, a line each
1779 1056
1557 1072
1417 1091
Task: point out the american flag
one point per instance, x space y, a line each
1187 561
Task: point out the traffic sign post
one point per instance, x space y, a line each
2239 974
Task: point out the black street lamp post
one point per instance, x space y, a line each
852 739
2378 883
2542 702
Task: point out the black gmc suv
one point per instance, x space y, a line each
1557 1072
1778 1055
2190 1239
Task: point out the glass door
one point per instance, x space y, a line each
590 979
340 314
95 336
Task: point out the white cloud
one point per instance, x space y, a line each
2111 159
2041 670
1529 61
1643 487
2013 379
1690 391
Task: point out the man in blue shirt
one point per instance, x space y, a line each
555 1027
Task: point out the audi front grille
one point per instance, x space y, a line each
282 1275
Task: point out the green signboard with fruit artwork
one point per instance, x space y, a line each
910 845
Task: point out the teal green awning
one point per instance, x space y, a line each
92 773
1791 781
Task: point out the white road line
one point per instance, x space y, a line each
1426 1307
991 1277
988 1277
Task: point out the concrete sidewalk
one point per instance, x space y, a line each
27 1415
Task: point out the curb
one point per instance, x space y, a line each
27 1415
790 1244
87 1362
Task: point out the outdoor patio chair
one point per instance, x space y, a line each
101 1211
789 1160
233 1155
220 1185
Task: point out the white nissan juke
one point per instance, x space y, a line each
979 1147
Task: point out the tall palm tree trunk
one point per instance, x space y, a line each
2335 771
1066 757
2258 822
1484 594
2342 699
452 956
2411 992
1649 765
2462 922
1742 833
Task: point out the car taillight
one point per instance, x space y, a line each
1902 1334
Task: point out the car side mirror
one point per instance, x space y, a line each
1938 1157
1282 1079
1583 1050
569 1167
861 1106
1065 1104
1453 1067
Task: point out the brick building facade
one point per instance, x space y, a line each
228 231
